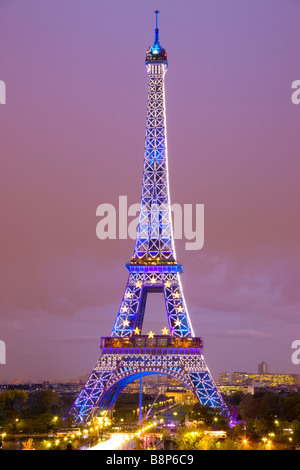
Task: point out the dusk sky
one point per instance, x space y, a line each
72 137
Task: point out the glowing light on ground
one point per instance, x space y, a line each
115 442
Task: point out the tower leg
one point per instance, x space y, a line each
141 402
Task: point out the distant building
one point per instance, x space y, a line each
274 380
263 368
231 389
270 380
224 378
239 378
181 396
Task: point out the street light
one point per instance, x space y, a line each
1 440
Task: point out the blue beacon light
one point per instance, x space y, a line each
156 46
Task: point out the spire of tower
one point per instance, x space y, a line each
156 52
156 34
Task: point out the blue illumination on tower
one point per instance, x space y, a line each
129 354
156 46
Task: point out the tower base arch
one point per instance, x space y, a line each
117 367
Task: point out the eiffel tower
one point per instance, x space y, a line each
128 355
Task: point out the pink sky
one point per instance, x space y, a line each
72 137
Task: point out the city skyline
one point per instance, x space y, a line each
73 137
230 377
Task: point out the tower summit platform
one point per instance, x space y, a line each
156 53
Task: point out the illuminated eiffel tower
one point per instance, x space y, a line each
127 355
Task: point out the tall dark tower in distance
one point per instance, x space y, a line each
263 368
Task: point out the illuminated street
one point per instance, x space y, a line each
117 441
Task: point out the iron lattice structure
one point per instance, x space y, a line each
126 355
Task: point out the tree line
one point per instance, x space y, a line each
36 412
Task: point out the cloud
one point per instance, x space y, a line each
256 289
